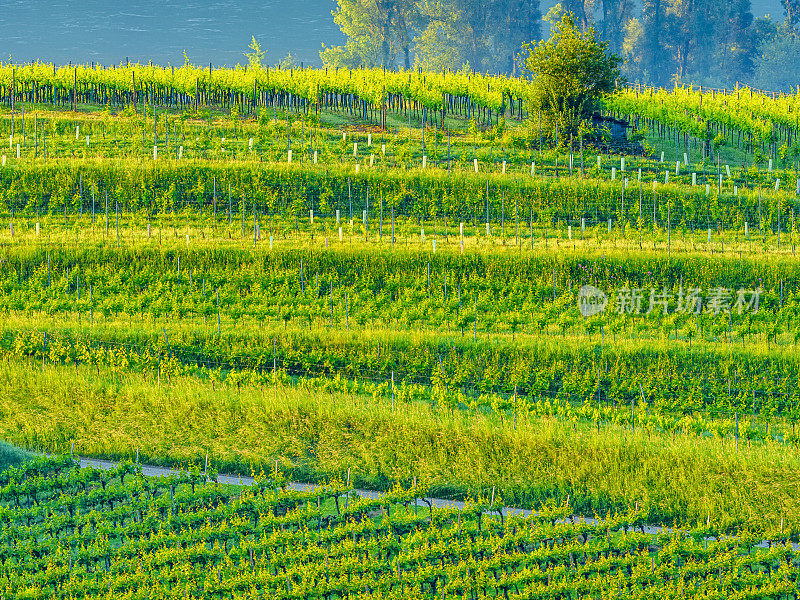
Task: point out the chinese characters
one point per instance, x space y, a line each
689 301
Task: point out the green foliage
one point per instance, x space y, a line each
185 535
572 72
255 57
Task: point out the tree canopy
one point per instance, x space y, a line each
714 43
571 72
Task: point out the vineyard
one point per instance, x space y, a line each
93 534
401 282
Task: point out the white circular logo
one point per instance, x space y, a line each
591 301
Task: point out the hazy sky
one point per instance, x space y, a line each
215 31
160 30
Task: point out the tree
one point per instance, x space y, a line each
616 14
578 8
440 43
571 72
792 10
377 32
736 41
646 56
486 36
523 20
775 67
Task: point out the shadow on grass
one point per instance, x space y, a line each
11 456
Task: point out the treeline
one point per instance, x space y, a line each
713 43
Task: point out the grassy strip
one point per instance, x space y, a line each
320 436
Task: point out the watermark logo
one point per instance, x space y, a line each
690 301
592 301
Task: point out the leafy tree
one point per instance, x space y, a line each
439 44
523 18
377 32
776 66
578 8
571 72
616 13
486 35
736 40
792 10
644 49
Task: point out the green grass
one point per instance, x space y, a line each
317 436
